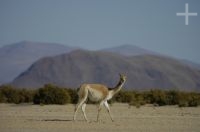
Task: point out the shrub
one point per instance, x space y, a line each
137 100
26 95
188 99
2 97
172 97
157 96
183 103
10 94
194 100
73 95
124 96
51 95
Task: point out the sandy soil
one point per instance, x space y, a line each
58 118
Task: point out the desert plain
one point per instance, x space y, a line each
58 118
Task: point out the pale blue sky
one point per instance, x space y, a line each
97 24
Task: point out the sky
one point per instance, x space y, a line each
98 24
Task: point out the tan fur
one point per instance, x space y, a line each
101 88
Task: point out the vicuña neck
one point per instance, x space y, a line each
118 87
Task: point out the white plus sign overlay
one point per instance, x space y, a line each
186 14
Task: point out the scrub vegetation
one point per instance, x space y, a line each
50 94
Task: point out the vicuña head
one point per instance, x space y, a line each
97 93
122 78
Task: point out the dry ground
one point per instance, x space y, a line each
58 118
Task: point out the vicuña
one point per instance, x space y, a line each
97 93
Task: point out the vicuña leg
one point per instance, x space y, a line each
79 104
81 101
76 109
99 109
83 110
108 109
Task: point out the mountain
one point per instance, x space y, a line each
191 64
81 66
16 58
130 50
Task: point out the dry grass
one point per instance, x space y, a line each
58 118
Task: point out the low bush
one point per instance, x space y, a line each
8 94
73 95
124 96
50 94
157 97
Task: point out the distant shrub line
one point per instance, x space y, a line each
159 98
50 94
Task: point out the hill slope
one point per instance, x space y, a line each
17 57
77 67
130 50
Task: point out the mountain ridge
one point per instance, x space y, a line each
133 50
17 57
130 50
83 66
